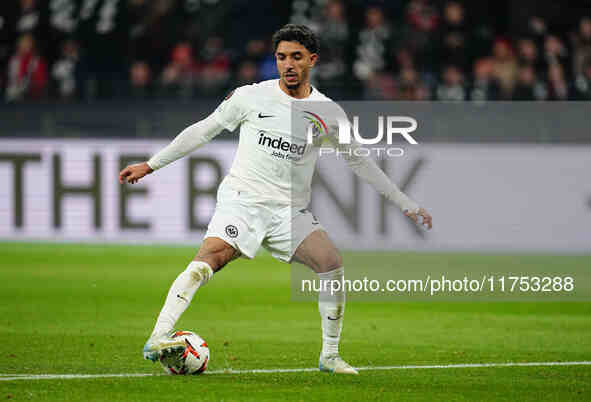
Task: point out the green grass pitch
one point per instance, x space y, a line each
88 309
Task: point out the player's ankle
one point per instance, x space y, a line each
161 333
327 355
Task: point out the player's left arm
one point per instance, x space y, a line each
366 168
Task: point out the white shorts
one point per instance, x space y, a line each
247 222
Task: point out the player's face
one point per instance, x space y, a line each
294 62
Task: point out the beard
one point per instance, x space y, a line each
293 86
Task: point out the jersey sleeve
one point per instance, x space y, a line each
337 116
187 141
362 164
233 109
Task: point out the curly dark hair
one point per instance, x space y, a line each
296 33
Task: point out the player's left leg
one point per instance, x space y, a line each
319 253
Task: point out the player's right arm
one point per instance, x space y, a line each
366 168
229 115
186 142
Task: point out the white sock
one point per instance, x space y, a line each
197 274
331 305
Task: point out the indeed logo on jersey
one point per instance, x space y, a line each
281 144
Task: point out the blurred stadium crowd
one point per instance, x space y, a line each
384 50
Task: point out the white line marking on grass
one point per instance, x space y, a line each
478 365
12 377
408 367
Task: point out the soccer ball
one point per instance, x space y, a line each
191 357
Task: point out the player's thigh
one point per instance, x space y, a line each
235 229
216 252
318 252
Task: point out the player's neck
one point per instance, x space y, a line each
302 91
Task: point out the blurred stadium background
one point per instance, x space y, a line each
68 50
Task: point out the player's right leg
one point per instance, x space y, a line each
213 255
319 253
236 228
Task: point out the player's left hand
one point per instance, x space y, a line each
426 221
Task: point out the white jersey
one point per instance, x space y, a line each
272 161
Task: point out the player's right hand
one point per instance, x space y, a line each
133 173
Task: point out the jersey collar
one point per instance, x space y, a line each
286 97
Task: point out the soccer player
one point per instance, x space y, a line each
263 199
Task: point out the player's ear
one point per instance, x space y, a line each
313 59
